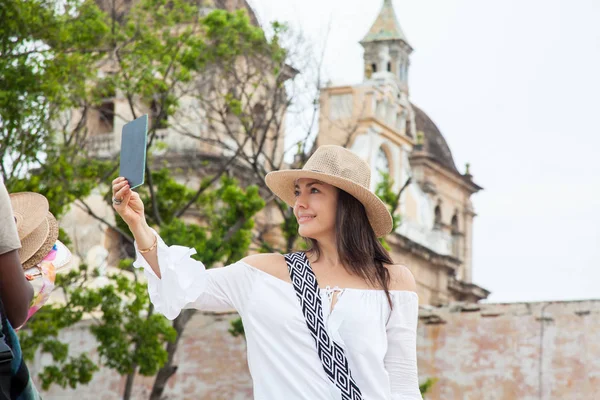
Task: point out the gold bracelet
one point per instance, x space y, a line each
149 249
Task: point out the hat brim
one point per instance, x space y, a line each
282 184
31 243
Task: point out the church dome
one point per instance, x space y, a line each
433 142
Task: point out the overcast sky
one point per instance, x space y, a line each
514 86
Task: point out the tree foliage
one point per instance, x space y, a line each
121 321
61 61
45 58
385 190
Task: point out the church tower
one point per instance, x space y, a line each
387 51
377 120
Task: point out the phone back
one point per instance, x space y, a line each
133 151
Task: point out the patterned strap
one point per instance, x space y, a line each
331 354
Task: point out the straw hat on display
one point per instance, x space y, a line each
37 228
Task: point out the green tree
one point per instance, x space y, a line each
45 60
385 190
212 61
157 57
426 386
151 55
128 333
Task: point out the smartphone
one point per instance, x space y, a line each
133 151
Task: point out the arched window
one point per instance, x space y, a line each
437 223
374 67
381 162
455 236
389 66
454 224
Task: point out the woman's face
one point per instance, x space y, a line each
315 208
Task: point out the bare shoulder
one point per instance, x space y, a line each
271 263
401 278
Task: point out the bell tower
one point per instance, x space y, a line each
387 50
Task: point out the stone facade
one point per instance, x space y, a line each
376 120
526 351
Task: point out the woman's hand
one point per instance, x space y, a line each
131 208
128 203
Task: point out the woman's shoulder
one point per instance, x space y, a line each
271 263
401 278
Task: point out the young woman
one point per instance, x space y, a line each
335 322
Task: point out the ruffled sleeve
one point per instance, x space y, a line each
401 357
185 282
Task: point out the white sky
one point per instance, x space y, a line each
514 86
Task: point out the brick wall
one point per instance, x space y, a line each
522 351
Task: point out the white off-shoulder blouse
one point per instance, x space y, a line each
380 344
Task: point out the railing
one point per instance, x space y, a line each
101 145
436 240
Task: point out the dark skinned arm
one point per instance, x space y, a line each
15 289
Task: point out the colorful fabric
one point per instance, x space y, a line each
48 275
44 274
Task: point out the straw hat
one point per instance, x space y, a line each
343 169
29 210
37 227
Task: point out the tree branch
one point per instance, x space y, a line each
397 201
84 206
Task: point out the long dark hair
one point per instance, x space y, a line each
359 250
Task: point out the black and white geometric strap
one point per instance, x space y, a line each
331 354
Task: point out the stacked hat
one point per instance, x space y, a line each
37 227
